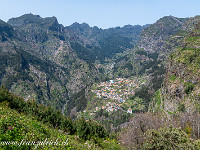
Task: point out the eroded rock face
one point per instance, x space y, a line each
176 81
38 62
180 88
182 82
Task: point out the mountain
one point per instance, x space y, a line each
47 63
43 60
93 43
37 62
180 91
55 64
153 38
151 52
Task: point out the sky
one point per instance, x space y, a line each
101 13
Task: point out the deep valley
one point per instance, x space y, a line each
114 88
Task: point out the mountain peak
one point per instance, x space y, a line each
78 25
31 19
24 19
171 20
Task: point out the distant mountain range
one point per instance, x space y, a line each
55 65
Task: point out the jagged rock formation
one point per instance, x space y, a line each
38 61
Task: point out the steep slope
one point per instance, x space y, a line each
153 39
153 42
28 125
176 103
6 31
181 89
149 54
37 63
100 44
30 76
40 36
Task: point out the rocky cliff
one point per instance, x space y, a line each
180 91
182 82
37 61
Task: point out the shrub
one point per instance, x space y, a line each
90 130
189 87
167 138
181 107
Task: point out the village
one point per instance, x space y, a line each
117 92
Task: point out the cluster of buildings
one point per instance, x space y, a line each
110 107
118 89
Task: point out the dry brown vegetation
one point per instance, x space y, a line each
133 136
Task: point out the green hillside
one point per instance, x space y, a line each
30 123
